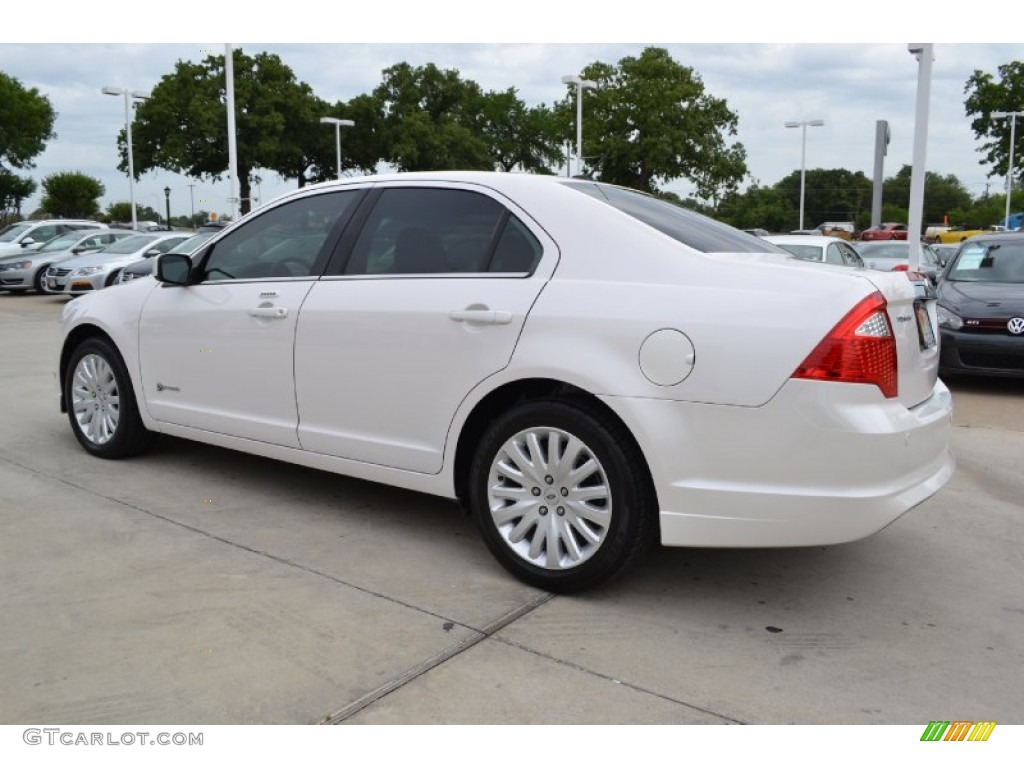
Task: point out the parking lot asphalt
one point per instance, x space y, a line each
199 585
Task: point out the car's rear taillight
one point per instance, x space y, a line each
861 349
901 268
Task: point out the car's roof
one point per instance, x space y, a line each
819 240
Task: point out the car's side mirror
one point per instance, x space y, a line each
27 242
173 268
151 252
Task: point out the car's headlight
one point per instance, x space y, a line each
15 265
88 270
949 319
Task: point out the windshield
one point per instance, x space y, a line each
62 243
803 251
896 252
129 244
994 263
187 246
13 232
689 228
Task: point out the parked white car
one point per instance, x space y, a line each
820 248
587 368
100 269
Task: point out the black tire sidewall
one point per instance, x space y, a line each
130 436
627 531
39 279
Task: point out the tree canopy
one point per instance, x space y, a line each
651 121
987 94
71 195
26 123
183 126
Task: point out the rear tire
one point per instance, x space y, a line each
562 495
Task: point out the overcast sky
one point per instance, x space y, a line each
849 85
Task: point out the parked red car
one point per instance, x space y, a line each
890 231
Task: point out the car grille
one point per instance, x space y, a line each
986 325
59 272
987 360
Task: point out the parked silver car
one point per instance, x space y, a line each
14 238
144 267
100 269
27 270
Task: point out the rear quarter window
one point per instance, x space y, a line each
690 228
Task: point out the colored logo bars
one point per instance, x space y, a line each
958 730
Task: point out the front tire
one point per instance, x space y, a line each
562 495
101 402
39 279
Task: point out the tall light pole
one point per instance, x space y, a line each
918 173
1009 173
192 206
128 97
802 124
337 123
167 197
580 84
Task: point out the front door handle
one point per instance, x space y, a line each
481 316
274 313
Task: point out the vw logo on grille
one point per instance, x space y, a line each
1016 326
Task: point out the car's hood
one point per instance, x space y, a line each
102 257
1003 300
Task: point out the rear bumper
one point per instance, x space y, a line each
822 463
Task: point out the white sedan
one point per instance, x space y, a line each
821 248
587 368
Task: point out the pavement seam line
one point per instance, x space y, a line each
609 678
244 547
434 661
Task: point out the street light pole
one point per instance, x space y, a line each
580 84
802 124
128 95
167 196
1009 173
191 206
337 123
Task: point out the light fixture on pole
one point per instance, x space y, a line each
167 197
802 124
580 84
337 123
128 97
1009 173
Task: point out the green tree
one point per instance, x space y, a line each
942 194
430 120
26 123
758 207
518 135
987 94
651 121
183 126
122 212
71 195
829 195
13 190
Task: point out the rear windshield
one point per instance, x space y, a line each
995 263
693 229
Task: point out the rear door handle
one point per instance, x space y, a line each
274 313
481 316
